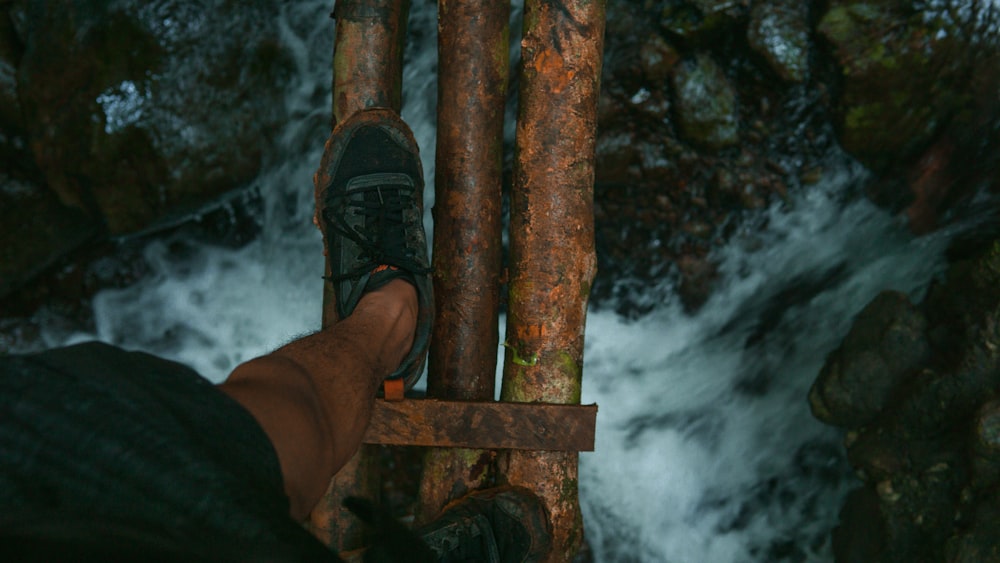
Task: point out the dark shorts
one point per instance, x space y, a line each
94 433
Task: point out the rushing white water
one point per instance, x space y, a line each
706 451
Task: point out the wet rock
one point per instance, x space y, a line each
929 450
958 305
617 157
664 200
717 6
860 537
751 197
10 55
657 163
700 20
885 344
651 103
952 89
657 58
698 275
706 103
979 544
988 430
37 230
778 32
903 74
136 110
986 448
13 137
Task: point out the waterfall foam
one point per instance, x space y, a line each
706 449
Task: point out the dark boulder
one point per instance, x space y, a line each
779 32
903 77
115 116
14 150
885 344
707 110
37 230
699 22
657 58
135 110
917 99
925 438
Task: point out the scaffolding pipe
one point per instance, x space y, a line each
367 72
552 260
473 46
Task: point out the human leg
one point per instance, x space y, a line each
314 396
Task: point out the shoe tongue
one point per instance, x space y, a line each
386 194
390 219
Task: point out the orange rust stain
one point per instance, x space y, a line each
551 65
531 332
557 294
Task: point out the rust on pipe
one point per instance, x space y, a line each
472 84
473 60
552 261
367 72
483 424
368 55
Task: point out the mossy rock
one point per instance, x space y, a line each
903 75
778 32
707 109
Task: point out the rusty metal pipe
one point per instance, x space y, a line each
552 260
472 85
367 72
368 55
473 46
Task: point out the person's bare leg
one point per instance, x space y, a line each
314 396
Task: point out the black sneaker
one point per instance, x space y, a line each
369 193
501 525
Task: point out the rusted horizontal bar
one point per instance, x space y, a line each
486 425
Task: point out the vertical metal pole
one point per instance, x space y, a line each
368 55
552 261
367 72
473 46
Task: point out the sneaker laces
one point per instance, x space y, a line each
382 233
